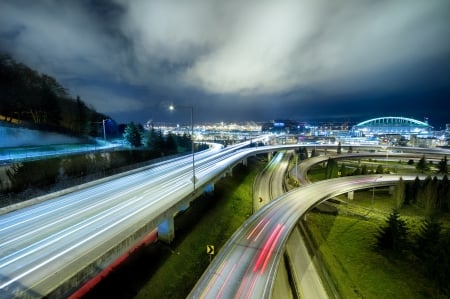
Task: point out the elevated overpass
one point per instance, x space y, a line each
51 248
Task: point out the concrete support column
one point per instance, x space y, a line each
244 162
391 190
209 188
230 171
166 230
351 195
269 156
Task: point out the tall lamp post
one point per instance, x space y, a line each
373 188
172 107
104 129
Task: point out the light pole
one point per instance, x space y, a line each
172 107
104 129
373 188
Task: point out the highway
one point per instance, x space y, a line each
45 244
269 185
247 264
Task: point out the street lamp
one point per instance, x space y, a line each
104 129
373 188
172 107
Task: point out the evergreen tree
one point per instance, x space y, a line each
379 169
170 144
413 192
432 249
426 242
350 149
357 171
422 165
331 170
364 169
132 135
431 193
339 148
399 194
343 170
314 153
393 238
444 195
442 166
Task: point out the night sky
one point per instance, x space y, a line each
235 60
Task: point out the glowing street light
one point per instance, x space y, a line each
172 107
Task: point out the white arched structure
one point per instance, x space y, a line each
393 125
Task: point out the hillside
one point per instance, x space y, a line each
38 101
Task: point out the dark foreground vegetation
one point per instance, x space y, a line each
39 101
170 271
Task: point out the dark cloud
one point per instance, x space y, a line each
257 59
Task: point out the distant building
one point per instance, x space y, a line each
283 127
393 125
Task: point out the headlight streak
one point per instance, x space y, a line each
85 240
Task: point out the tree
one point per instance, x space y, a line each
339 148
364 169
350 149
343 170
331 170
444 195
170 144
132 135
393 238
442 166
431 199
431 248
399 194
422 165
379 169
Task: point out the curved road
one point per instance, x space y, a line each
247 265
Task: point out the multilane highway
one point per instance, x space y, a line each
44 245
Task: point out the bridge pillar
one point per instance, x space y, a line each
244 162
209 188
269 156
166 230
230 171
351 195
391 190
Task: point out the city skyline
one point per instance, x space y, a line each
233 61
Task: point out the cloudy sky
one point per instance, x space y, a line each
239 60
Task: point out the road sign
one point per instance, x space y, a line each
210 249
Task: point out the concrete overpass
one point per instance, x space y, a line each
61 241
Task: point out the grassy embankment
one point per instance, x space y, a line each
345 243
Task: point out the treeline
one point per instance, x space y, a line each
156 141
38 100
333 170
